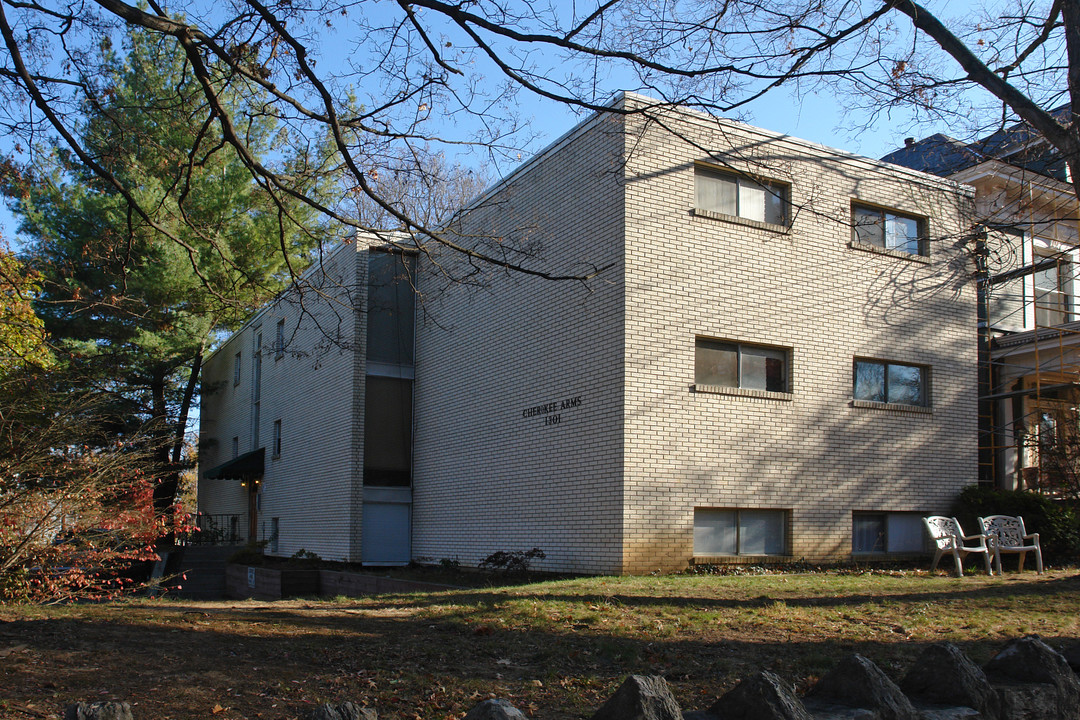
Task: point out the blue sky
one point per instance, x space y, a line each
818 117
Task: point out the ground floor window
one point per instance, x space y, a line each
739 532
885 532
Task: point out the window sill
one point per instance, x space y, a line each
744 392
736 220
895 407
276 457
740 559
899 254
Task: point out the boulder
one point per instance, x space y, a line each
857 682
763 696
1021 668
344 711
98 711
641 697
495 709
945 676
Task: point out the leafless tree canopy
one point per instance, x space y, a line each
362 90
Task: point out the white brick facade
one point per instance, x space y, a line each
564 415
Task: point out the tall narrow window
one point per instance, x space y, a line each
235 447
277 439
1051 295
236 370
390 338
256 388
279 340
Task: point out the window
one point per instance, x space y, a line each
279 340
888 230
391 300
730 194
739 532
880 532
888 382
276 452
236 370
738 365
1051 290
275 529
388 431
235 447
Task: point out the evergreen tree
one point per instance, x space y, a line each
135 302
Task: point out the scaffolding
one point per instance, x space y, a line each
1029 379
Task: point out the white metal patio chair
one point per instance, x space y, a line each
1007 535
949 537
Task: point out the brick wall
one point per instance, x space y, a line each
811 453
313 387
490 474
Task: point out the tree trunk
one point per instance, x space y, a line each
185 405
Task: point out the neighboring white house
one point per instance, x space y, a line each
1029 323
776 360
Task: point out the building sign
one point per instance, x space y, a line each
552 411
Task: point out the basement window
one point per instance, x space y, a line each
887 532
739 532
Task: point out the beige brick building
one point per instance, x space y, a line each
774 358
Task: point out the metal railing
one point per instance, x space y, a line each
222 529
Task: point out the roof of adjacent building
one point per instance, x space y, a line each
1017 144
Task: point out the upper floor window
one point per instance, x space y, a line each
889 382
738 365
236 370
1051 289
739 196
279 339
275 449
888 229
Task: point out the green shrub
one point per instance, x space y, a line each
250 554
1056 521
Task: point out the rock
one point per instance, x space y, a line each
344 711
98 711
1032 662
945 676
1071 653
496 709
763 696
698 715
857 682
641 697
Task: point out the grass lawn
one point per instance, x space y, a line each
555 649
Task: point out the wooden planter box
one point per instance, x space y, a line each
244 581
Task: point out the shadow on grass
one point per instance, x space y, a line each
396 651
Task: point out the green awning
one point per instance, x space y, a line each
242 467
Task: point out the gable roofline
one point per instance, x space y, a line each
704 118
644 103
